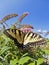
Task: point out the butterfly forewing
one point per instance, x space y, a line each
15 34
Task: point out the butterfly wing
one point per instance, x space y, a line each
30 38
15 35
33 39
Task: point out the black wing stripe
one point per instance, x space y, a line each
12 30
8 30
32 35
19 33
35 35
39 36
28 34
7 34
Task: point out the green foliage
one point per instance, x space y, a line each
40 60
14 61
46 48
11 55
46 51
24 60
21 61
1 63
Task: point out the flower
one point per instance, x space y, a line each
25 30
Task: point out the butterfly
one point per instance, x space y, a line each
21 39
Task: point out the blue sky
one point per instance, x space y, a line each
38 12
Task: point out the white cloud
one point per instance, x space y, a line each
44 31
39 30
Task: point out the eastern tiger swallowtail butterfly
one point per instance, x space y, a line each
21 39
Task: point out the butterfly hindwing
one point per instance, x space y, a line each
33 38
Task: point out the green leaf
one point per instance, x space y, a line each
1 63
46 51
31 63
5 48
24 60
39 61
25 54
13 62
1 58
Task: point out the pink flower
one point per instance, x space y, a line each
25 30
